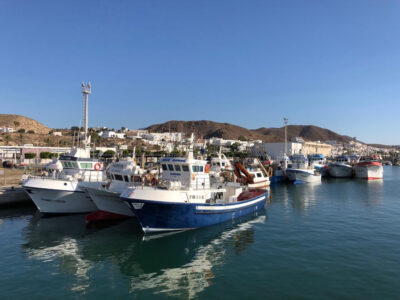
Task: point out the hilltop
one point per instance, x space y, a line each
207 129
20 122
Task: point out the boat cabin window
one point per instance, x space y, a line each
185 168
118 177
108 175
197 169
259 175
164 167
126 178
223 164
86 165
70 165
171 167
177 167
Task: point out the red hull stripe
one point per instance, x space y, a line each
369 163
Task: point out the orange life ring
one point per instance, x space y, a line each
97 166
207 168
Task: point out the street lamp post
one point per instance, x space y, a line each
285 120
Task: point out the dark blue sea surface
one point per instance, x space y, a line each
336 240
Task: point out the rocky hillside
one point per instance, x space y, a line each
19 122
207 129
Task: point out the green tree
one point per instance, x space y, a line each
109 154
235 147
126 153
30 155
45 155
75 128
53 155
242 138
95 154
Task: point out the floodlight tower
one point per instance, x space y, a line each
86 90
285 120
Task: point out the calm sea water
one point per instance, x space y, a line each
337 239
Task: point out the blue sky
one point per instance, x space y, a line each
334 64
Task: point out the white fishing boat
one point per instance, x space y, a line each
219 163
120 176
341 167
318 162
254 173
185 198
61 192
300 172
369 167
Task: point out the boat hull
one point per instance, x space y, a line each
340 170
302 176
109 202
369 170
157 216
58 196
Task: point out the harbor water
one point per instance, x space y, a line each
336 239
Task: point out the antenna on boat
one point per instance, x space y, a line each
86 90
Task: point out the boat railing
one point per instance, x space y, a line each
200 184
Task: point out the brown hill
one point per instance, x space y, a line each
20 122
208 129
307 132
205 129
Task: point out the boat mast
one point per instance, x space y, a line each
285 120
189 154
86 90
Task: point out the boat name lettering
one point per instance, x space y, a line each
178 160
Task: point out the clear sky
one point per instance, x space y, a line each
334 64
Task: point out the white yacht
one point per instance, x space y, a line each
61 193
300 172
120 176
341 167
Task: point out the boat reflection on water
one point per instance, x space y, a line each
200 251
371 191
175 264
298 197
56 239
